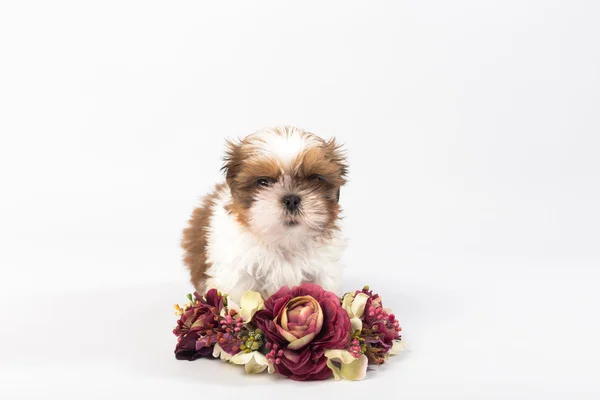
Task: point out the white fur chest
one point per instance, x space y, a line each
240 262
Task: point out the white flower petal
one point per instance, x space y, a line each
254 362
251 302
259 364
218 352
252 367
358 305
397 346
347 302
231 305
350 368
241 358
356 323
355 307
337 372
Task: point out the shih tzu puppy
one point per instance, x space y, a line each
274 221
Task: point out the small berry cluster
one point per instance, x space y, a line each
379 314
274 356
229 323
357 345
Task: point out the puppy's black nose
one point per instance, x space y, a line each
292 202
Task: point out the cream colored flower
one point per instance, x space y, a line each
397 346
345 366
250 303
218 352
255 362
355 307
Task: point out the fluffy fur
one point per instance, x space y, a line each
247 234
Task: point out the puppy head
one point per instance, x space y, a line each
285 183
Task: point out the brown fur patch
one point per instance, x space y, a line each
241 213
242 169
323 169
234 158
256 168
326 161
194 239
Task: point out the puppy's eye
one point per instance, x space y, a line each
263 182
316 178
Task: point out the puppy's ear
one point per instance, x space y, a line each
336 154
232 161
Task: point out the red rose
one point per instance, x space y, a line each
300 324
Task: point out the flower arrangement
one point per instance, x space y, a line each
304 333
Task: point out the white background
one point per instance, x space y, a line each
473 205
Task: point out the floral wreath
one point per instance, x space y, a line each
304 333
